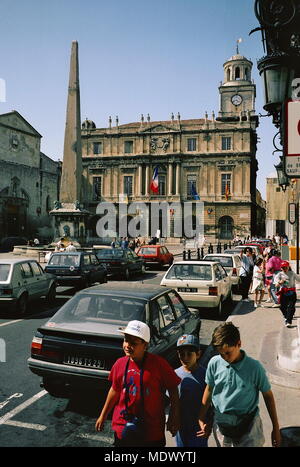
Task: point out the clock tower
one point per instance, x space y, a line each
237 92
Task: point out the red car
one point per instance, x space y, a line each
155 255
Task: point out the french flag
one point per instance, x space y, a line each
154 182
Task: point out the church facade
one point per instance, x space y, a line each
210 159
29 180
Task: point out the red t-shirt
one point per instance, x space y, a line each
158 377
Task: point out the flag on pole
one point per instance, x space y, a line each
154 182
194 193
227 191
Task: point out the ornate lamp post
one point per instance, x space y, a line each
280 29
283 180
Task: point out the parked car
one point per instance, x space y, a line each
239 248
8 243
201 284
257 245
231 262
155 255
22 281
81 342
124 262
78 268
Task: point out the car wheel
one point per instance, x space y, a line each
127 274
219 308
51 295
55 389
104 279
21 305
230 297
86 282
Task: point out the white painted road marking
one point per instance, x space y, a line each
11 322
21 407
3 404
106 439
31 426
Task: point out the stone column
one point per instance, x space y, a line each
170 179
147 181
139 181
177 190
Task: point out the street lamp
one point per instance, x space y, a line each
283 180
277 77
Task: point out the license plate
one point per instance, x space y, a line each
187 289
86 362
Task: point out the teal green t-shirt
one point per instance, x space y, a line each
236 386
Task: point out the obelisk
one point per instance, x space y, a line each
70 217
70 188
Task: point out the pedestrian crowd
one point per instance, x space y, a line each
269 271
221 399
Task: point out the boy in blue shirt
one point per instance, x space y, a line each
191 389
234 381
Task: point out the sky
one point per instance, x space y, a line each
135 57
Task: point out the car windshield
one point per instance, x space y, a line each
110 253
91 310
4 272
226 261
148 251
190 271
64 260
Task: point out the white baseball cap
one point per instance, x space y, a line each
137 329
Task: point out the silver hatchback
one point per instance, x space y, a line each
23 280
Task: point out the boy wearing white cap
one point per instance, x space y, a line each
139 382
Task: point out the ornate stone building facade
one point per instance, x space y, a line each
28 180
213 159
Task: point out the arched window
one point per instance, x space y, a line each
228 74
237 73
226 228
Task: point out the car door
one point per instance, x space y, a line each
162 253
187 322
133 263
87 267
170 330
29 281
96 269
40 278
225 281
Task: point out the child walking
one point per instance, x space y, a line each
191 389
287 294
258 286
234 381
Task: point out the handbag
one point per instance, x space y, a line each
239 430
133 432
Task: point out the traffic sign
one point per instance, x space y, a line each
292 139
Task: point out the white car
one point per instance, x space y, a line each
232 265
239 248
201 284
22 280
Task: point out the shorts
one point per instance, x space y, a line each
253 439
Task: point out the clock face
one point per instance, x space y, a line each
236 99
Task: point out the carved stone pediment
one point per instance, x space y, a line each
157 129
